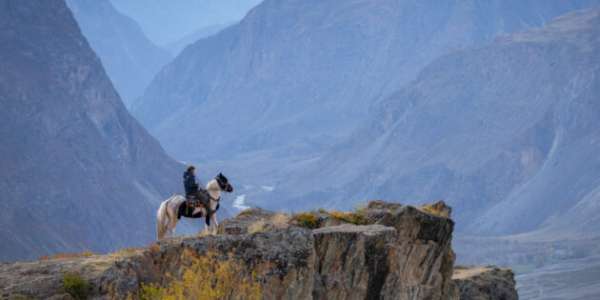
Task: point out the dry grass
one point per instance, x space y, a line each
154 248
258 226
86 253
357 218
207 277
127 252
280 220
437 209
247 212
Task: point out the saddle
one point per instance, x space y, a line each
200 199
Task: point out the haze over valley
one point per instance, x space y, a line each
491 106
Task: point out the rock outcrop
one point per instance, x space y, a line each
485 283
400 252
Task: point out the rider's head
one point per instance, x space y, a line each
191 169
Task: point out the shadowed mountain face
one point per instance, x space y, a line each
507 134
297 76
130 59
78 172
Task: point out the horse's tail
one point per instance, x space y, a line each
162 220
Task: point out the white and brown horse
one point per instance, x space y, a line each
175 207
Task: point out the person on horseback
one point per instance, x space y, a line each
195 195
189 183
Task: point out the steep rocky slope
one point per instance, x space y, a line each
400 253
506 133
129 58
78 172
294 76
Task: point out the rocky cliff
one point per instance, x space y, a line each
383 251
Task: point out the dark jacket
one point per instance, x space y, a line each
189 183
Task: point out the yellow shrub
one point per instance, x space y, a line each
437 209
357 218
206 277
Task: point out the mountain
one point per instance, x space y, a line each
296 77
130 59
176 47
78 172
506 133
168 22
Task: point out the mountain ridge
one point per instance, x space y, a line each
78 171
129 57
479 129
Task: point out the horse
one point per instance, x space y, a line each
175 207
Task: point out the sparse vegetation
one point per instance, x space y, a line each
357 218
207 277
19 297
436 209
75 286
154 248
127 251
307 220
258 226
280 220
247 212
86 253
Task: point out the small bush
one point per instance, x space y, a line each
356 218
154 248
75 286
437 209
307 220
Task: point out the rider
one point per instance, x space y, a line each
194 194
189 182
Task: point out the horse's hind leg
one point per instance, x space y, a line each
172 212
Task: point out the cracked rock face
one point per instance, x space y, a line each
403 253
485 283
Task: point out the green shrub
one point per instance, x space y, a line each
76 286
307 220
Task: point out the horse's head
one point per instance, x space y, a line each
224 183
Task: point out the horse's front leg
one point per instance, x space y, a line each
214 224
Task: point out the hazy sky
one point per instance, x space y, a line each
165 22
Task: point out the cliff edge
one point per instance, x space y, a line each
382 251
